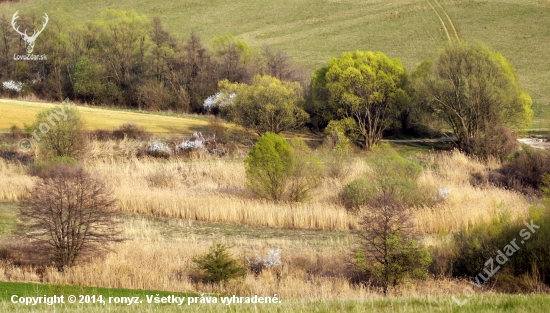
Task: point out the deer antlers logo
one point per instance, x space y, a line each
29 40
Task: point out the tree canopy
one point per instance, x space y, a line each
267 104
474 91
366 86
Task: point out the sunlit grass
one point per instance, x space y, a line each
19 113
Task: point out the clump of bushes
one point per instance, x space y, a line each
277 171
217 265
158 149
126 130
524 171
391 179
497 142
518 248
198 144
131 131
258 264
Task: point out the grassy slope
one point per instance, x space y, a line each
23 112
315 30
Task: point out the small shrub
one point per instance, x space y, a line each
16 133
218 266
5 254
101 135
269 166
337 165
356 194
392 179
218 129
443 256
387 251
131 131
258 264
158 149
61 132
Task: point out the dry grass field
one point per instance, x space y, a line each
213 190
173 210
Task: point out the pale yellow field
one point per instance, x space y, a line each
19 113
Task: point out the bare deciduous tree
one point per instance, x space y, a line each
387 250
67 215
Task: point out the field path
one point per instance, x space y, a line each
449 18
441 19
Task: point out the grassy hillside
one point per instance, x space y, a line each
23 112
315 30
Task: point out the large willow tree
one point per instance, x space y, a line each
475 92
365 86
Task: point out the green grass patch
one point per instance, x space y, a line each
541 121
7 289
478 303
8 219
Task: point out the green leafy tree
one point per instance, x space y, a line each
269 166
474 91
218 265
88 79
366 86
266 105
59 132
122 40
234 56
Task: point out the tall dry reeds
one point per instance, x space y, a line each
151 260
213 190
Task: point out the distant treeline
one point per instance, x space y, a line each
128 60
